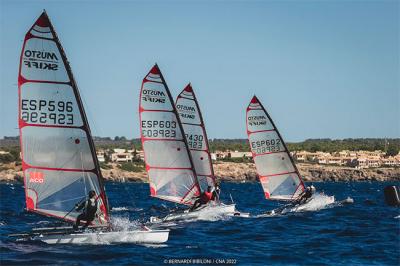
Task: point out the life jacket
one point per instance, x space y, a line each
91 208
206 197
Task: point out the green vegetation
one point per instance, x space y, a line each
328 145
391 146
132 166
229 144
12 156
236 160
104 165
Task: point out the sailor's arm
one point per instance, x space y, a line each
80 206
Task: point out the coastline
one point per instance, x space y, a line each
239 172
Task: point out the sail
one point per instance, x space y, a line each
168 161
279 176
58 156
196 137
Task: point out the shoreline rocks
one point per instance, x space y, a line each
239 172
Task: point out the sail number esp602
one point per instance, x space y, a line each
264 146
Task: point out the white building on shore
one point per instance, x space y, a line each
122 155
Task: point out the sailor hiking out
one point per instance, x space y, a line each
89 207
216 192
204 198
305 196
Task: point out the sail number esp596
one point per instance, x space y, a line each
47 112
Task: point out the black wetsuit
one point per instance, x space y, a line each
304 197
89 213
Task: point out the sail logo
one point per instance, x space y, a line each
186 111
153 96
36 177
41 60
189 109
259 120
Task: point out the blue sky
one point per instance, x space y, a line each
323 69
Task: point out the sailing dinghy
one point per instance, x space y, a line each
193 125
58 154
278 174
169 165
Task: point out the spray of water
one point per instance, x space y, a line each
124 224
318 201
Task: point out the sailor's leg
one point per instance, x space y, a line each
78 220
196 204
88 221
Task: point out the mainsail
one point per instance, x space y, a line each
168 161
58 156
196 137
277 172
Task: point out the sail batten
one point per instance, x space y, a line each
195 133
278 174
58 155
168 161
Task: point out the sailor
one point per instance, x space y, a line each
215 195
306 195
204 198
89 212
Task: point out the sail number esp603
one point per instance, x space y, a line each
158 128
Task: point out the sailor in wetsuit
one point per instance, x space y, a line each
305 196
215 193
89 212
204 198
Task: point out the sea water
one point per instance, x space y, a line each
366 232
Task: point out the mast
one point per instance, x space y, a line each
283 142
181 128
83 114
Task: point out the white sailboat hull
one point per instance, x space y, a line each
207 211
138 237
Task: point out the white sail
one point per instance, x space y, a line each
277 172
58 157
168 161
196 137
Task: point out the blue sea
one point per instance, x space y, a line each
366 232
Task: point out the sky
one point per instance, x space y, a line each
322 69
